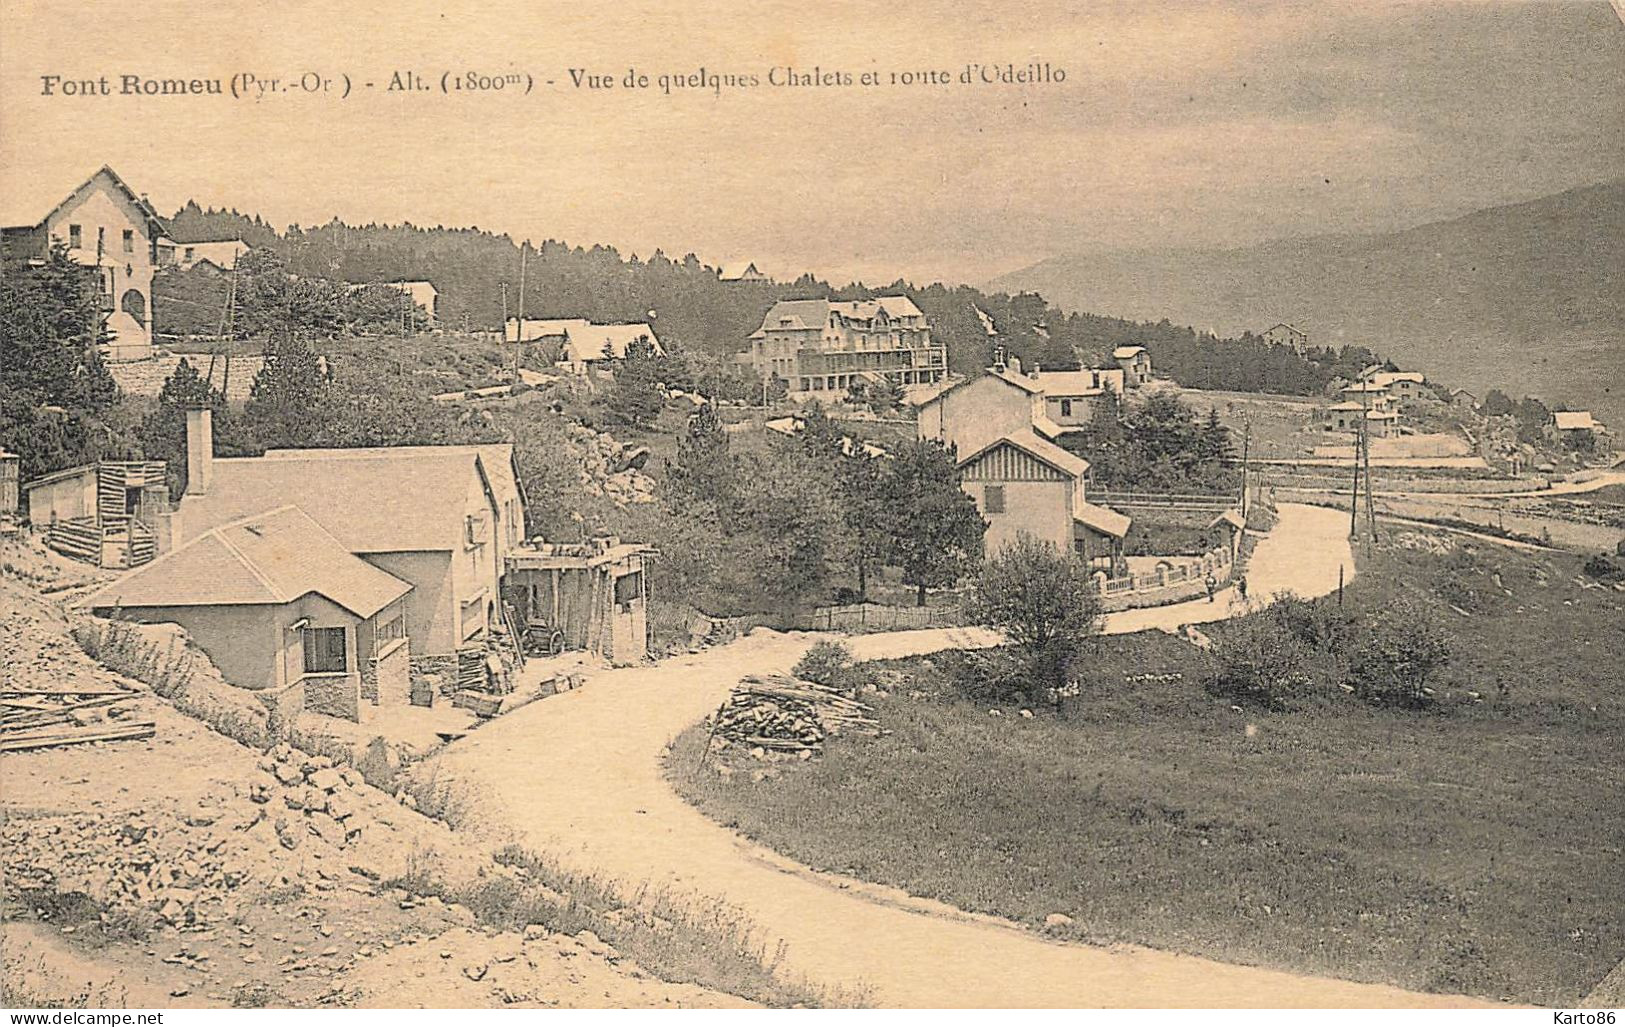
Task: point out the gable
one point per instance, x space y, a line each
1004 461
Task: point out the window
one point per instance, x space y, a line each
324 651
392 629
628 587
76 236
190 252
994 502
129 241
1066 408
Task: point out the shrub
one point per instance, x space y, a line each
1401 652
1260 660
1044 602
824 663
995 675
1604 568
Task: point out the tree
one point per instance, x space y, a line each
701 471
163 432
636 397
934 529
287 402
1396 661
55 392
1045 603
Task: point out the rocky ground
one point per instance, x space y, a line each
190 870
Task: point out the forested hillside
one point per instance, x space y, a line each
690 307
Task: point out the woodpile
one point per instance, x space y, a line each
44 718
782 717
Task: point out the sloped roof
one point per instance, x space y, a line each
399 502
1283 324
1100 518
1347 404
734 270
543 328
815 313
1386 378
1230 517
1037 447
1573 420
1008 377
1124 352
270 558
590 341
1070 383
495 457
29 202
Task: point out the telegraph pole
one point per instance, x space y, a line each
505 316
1370 506
1246 443
519 335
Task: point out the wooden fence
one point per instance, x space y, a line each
877 617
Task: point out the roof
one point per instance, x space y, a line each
1125 352
1347 404
591 342
800 315
1100 518
1037 447
734 270
29 203
1022 382
1364 387
544 328
56 476
271 558
1573 420
1390 377
1230 517
1381 415
496 458
1071 383
1283 324
398 501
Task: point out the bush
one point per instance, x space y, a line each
1260 660
823 663
1604 568
997 675
1044 602
1399 656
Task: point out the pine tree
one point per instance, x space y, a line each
934 528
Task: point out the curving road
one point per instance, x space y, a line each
579 776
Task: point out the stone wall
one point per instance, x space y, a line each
335 695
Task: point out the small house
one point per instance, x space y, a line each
1344 416
1409 386
110 513
1286 335
282 608
1563 425
210 254
1073 398
1135 362
1023 484
740 271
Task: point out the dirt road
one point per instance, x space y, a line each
580 776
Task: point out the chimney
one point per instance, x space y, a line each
1015 366
998 357
1034 372
199 451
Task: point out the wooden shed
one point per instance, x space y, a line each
594 594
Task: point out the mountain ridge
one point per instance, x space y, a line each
1526 297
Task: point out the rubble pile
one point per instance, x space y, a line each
778 717
132 867
609 468
318 798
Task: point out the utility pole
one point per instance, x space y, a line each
518 336
1246 444
519 328
1370 506
1354 489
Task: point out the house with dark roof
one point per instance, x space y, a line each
108 227
740 271
429 515
821 347
1286 335
283 608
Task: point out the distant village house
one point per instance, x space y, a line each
107 226
740 271
1286 335
579 345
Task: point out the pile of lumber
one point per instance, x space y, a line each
776 714
33 718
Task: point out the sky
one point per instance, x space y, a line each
1177 124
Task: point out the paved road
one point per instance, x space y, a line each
579 775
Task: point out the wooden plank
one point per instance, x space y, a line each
128 732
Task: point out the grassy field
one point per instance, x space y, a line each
1471 848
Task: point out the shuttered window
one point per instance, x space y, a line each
994 502
324 651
